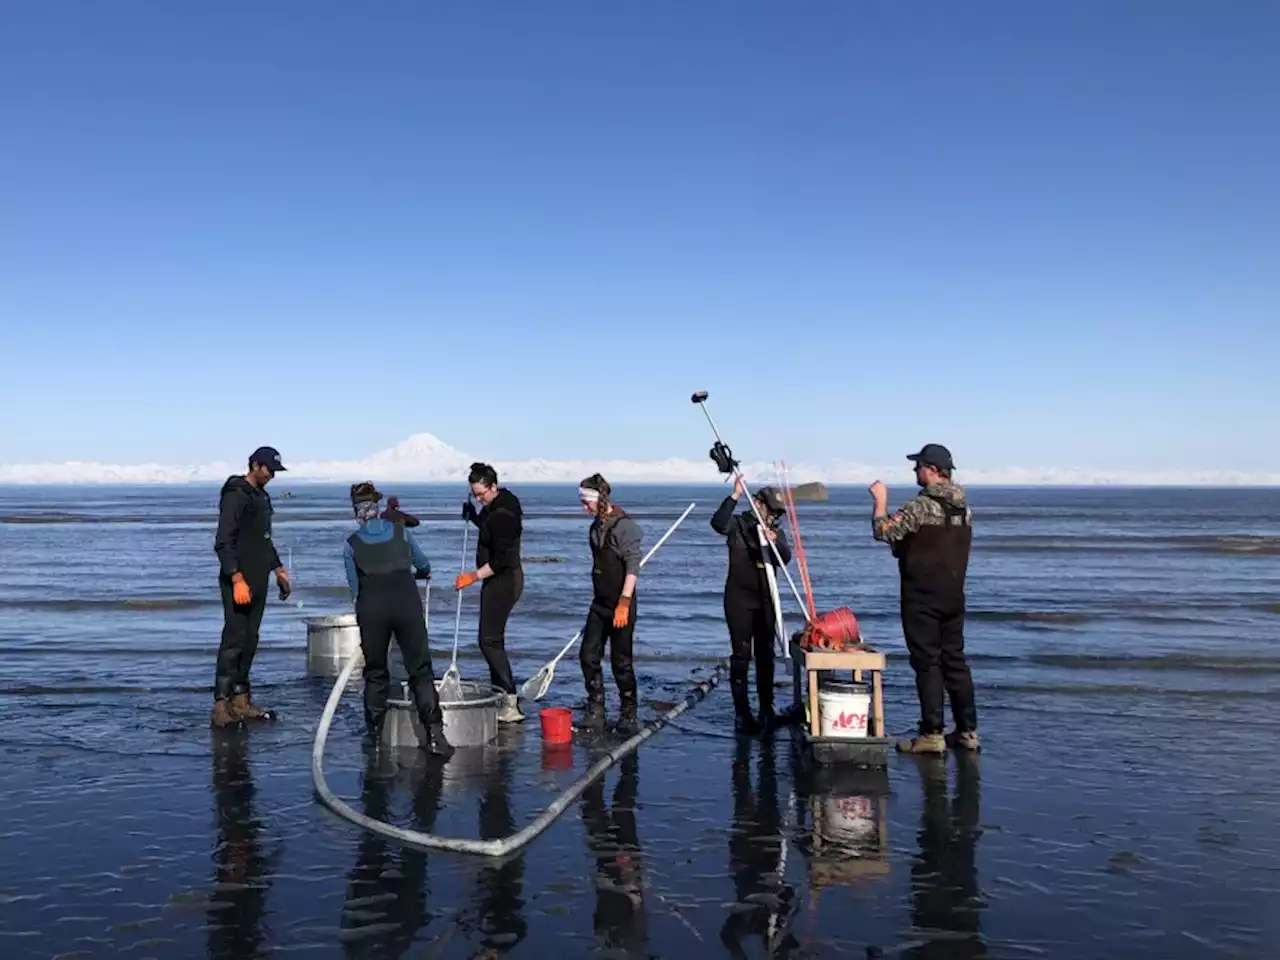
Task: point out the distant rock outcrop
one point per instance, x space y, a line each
815 491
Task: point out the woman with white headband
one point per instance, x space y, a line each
615 541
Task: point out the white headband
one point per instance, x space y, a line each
588 496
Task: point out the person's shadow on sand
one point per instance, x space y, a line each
621 919
945 897
765 901
242 871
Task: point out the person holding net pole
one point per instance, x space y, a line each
748 602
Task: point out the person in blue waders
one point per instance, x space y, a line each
380 558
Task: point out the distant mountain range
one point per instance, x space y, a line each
424 458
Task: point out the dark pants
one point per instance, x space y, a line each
239 638
751 632
598 629
384 611
935 641
498 596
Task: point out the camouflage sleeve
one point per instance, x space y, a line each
908 519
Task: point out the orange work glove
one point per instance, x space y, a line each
240 590
622 613
464 580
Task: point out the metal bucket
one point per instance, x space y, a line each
330 643
469 722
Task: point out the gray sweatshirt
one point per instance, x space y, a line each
626 539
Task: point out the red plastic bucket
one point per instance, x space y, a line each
557 725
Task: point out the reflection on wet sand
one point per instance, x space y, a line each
386 908
499 894
386 903
845 827
945 899
621 918
237 904
765 901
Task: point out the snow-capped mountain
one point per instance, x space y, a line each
425 458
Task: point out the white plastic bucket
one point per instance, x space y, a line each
843 710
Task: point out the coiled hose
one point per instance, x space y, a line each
522 837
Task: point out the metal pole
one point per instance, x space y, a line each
700 399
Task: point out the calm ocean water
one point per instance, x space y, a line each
1126 650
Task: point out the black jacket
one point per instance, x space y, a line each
243 542
746 562
501 528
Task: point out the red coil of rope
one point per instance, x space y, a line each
836 629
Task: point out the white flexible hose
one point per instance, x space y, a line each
517 840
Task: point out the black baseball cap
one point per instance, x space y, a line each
934 455
772 499
268 457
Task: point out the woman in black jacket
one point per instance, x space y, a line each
498 567
748 605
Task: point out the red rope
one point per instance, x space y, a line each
801 560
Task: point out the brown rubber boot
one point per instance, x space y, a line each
925 743
964 741
243 707
222 715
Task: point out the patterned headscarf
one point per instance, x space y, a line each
367 510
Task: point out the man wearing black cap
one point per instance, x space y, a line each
247 557
931 536
748 603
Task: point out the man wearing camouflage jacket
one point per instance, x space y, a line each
931 536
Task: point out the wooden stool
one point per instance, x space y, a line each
807 665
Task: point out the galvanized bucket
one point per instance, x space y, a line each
330 643
469 722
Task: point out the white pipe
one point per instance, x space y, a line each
517 840
779 627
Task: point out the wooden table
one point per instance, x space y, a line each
854 661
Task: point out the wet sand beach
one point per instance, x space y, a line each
1124 646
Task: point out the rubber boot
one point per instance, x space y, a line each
222 715
744 723
242 706
964 741
593 718
373 732
510 712
934 743
436 744
628 724
764 695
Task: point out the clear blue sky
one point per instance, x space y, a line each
1040 233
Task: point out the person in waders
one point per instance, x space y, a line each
931 536
748 604
615 540
246 559
499 570
380 558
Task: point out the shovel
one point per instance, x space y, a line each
450 688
